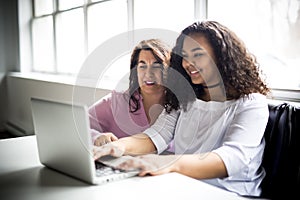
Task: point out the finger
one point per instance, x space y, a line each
147 170
101 151
113 138
154 173
135 164
115 151
127 165
96 143
100 141
96 153
145 173
107 140
110 137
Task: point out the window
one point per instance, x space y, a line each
65 32
271 30
43 46
101 30
160 14
70 47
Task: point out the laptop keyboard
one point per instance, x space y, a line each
103 170
106 174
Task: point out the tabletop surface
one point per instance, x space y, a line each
23 177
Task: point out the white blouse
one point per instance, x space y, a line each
232 129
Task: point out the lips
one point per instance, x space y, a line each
194 72
149 83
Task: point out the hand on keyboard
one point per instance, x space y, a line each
107 149
115 162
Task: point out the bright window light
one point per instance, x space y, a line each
67 4
42 42
70 41
42 7
166 14
270 30
100 28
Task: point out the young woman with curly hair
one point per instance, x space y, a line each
216 111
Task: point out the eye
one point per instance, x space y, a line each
157 66
141 66
198 54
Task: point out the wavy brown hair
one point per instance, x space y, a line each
239 69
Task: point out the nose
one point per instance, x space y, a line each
186 63
149 72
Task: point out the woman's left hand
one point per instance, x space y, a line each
151 164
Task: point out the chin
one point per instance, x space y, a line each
197 82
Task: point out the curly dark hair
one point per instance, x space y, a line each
161 52
238 67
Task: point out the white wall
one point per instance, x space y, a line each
20 90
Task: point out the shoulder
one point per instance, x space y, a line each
256 96
108 102
107 99
120 97
112 96
117 94
253 98
254 101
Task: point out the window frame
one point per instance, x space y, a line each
199 13
26 14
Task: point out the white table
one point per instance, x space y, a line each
22 177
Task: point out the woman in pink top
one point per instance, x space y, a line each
122 114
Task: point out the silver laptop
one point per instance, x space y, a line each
65 144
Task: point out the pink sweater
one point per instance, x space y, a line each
111 114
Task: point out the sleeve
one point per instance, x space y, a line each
162 131
243 144
99 118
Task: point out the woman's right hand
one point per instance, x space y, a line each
105 138
113 149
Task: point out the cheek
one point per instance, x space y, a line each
159 77
213 68
140 77
184 64
207 61
140 74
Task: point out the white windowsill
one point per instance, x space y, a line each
63 79
292 96
107 83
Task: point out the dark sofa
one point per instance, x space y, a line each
281 159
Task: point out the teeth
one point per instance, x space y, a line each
194 72
149 82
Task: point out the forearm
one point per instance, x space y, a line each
202 166
138 144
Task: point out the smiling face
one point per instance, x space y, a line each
150 73
198 60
